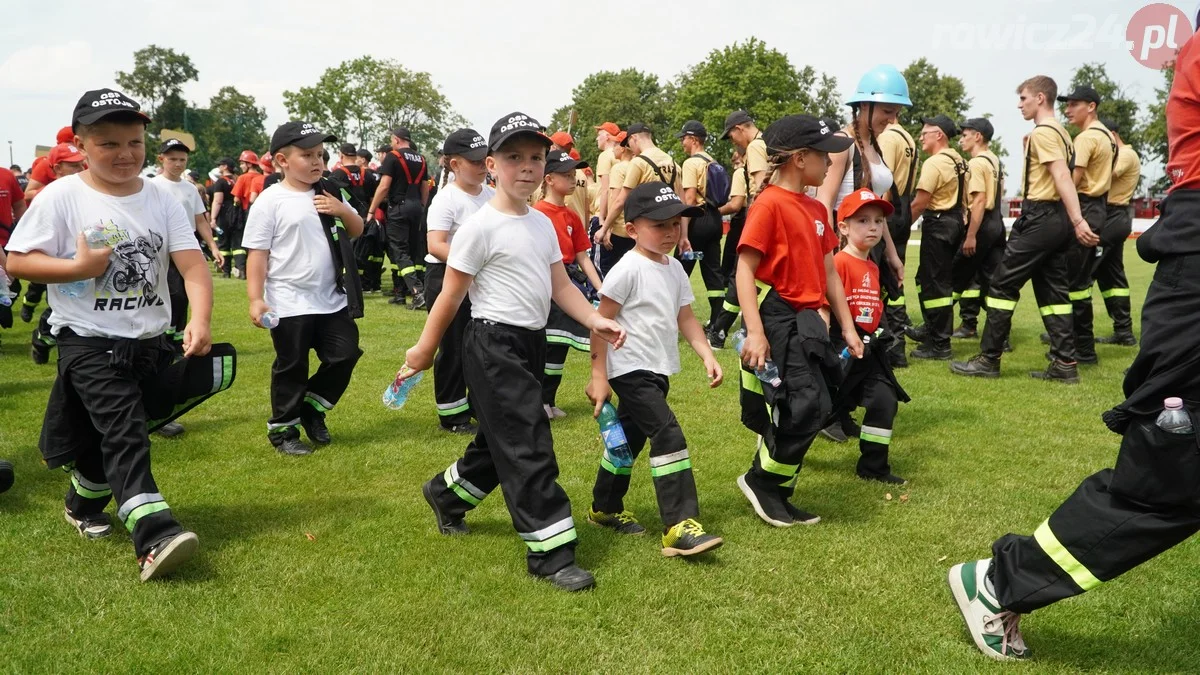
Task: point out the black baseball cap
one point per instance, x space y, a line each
944 123
657 201
365 154
1081 94
384 148
97 104
1110 124
466 143
735 118
795 132
401 132
173 144
348 149
639 128
693 128
300 134
228 162
515 124
559 161
980 124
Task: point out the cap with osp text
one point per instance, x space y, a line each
466 143
303 135
657 201
515 124
795 132
734 119
980 124
944 123
694 129
97 104
173 144
559 161
857 199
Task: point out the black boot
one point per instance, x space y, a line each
1058 371
1122 339
979 365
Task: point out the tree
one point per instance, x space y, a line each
623 97
363 99
1154 129
932 93
158 75
752 76
233 122
1115 103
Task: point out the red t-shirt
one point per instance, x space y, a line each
241 189
256 183
10 193
1183 119
790 231
860 278
572 239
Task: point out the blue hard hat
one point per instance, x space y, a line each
882 84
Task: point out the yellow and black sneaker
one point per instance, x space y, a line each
621 523
688 538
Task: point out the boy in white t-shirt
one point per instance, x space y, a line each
648 293
300 266
118 379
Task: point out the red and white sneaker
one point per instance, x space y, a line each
167 555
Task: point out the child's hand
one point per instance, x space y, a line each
257 309
715 376
197 339
610 330
329 205
90 262
853 342
756 351
598 392
417 358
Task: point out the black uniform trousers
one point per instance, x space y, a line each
227 221
295 395
514 448
1037 248
179 306
1110 267
941 239
900 227
788 417
108 397
43 339
870 384
403 228
704 233
729 250
730 310
973 274
644 414
610 256
237 257
449 383
1121 517
1081 266
33 294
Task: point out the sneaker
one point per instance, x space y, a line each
996 632
965 332
1058 371
834 433
7 476
571 578
97 526
1122 339
167 555
977 366
800 515
768 504
688 538
557 413
40 356
170 430
316 430
621 523
465 428
716 339
396 299
930 354
445 524
889 478
418 303
294 447
237 274
26 312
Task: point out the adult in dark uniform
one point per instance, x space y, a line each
402 184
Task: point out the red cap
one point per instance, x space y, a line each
64 152
562 139
610 127
265 163
860 198
574 154
248 156
65 135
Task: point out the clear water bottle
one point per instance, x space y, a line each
692 255
269 320
97 237
1174 419
769 373
616 447
396 394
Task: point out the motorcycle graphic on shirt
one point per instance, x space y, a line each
133 268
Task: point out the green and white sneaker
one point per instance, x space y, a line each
996 631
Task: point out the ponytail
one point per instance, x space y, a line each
863 179
445 175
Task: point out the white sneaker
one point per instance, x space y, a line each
91 527
549 412
996 631
166 556
236 273
556 412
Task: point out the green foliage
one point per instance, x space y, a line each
361 100
623 97
234 123
1115 103
932 93
158 74
1154 129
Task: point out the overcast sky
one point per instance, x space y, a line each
494 57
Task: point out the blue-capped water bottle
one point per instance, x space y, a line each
691 255
396 394
616 447
769 373
269 320
97 237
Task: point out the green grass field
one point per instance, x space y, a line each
332 562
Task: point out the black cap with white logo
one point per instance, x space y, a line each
515 124
173 144
300 134
693 128
466 143
97 104
657 201
734 119
795 132
562 162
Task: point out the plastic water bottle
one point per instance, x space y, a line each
1174 419
615 444
396 394
97 237
769 373
269 320
6 298
692 255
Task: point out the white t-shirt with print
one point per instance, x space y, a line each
650 294
300 276
187 195
130 300
510 258
450 207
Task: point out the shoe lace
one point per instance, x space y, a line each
625 517
691 527
1011 636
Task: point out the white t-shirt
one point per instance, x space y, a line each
300 276
450 207
881 179
130 300
651 295
510 258
187 195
